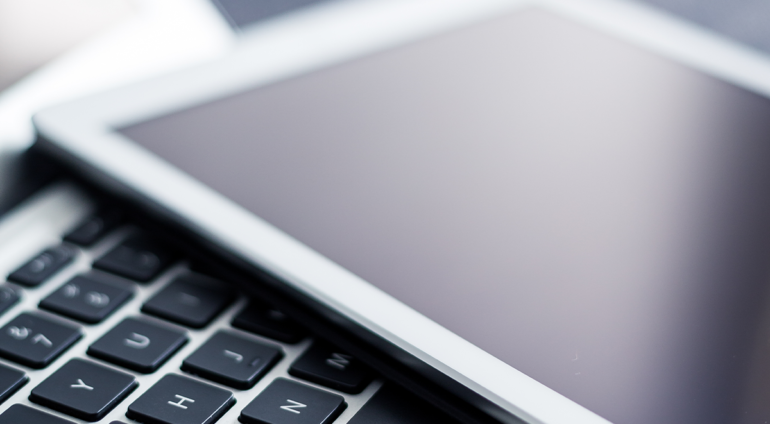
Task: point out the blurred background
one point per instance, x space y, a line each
55 50
30 37
34 32
746 21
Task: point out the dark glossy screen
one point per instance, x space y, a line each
594 215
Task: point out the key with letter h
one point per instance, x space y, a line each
183 401
180 403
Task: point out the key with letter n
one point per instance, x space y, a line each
293 406
286 401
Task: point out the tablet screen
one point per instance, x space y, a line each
592 214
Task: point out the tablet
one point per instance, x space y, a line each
563 208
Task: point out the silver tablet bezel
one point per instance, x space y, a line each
318 38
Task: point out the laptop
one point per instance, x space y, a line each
540 211
29 184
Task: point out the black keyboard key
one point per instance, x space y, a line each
10 381
288 402
137 258
94 227
138 345
87 299
259 318
20 414
83 390
192 300
8 298
43 266
35 341
326 365
180 400
232 360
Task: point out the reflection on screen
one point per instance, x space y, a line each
594 215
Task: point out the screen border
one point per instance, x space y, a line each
83 134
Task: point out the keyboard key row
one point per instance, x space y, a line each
89 391
192 300
140 345
137 258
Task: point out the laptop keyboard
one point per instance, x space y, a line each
112 325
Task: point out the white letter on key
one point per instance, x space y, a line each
181 401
